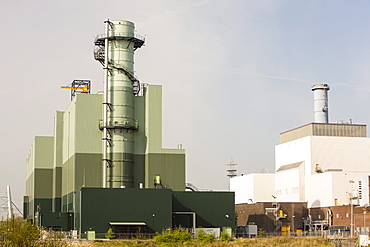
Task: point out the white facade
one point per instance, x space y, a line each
339 159
332 188
323 165
289 183
351 154
254 187
364 190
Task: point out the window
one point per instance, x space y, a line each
359 190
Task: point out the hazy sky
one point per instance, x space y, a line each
234 73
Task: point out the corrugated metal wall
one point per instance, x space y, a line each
320 129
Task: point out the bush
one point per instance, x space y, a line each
203 236
224 236
177 235
17 232
261 233
110 234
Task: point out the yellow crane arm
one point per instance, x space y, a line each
84 89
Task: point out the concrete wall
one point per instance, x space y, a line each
328 188
346 153
340 159
254 187
293 152
290 186
364 192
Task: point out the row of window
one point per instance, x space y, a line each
337 216
294 190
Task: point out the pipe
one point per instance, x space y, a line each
105 110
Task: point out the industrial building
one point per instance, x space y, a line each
272 217
105 166
322 164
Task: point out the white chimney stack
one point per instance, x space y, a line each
320 97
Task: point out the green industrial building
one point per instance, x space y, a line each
105 166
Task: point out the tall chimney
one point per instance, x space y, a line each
320 97
115 51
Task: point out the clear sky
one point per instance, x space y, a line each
234 73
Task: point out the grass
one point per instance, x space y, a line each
256 242
17 232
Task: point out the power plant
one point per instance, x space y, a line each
105 167
319 167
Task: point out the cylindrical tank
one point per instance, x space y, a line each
321 110
115 51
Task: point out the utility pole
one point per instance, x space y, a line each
10 204
351 205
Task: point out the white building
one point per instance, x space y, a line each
364 192
318 163
254 187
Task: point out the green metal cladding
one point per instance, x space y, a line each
65 176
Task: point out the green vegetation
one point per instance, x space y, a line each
110 234
20 233
205 237
16 232
261 233
224 236
255 242
177 235
180 237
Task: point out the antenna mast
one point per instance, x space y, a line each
231 172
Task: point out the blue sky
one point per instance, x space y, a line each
234 73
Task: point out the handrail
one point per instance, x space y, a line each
131 35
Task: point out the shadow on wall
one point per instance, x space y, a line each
316 203
263 221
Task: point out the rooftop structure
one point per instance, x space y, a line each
324 129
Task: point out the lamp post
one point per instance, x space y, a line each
351 205
153 215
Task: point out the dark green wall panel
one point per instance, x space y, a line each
63 220
43 183
211 208
100 206
57 204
